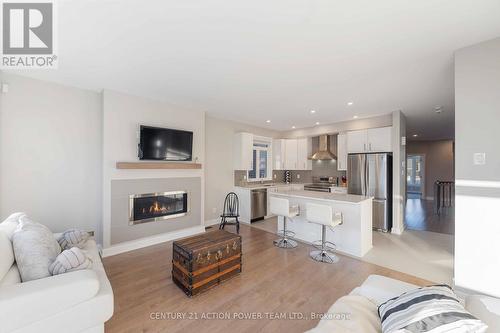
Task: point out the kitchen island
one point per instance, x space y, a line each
353 237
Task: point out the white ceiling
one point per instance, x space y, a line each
277 59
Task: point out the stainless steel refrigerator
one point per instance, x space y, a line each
371 175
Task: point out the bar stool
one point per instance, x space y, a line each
323 215
281 207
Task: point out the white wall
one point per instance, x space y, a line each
219 173
399 172
477 119
122 115
51 153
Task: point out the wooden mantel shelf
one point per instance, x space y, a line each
157 165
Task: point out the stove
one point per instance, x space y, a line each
323 184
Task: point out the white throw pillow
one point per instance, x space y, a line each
70 260
11 223
6 254
73 238
35 248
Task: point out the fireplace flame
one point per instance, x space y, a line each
157 208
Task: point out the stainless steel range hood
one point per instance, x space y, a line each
324 152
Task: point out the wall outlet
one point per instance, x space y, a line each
298 176
275 175
244 177
479 158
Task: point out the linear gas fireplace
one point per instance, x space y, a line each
151 207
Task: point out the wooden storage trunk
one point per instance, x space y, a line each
203 261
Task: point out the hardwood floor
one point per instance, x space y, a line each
420 215
273 281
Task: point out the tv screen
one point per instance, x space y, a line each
165 144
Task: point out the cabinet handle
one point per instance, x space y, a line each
370 146
364 146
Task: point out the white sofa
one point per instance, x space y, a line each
80 301
357 312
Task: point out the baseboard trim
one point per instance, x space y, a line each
211 222
152 240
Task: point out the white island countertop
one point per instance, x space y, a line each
353 236
324 196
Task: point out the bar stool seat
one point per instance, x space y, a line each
324 216
281 207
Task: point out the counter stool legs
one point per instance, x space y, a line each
284 242
325 250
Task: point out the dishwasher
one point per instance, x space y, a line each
258 204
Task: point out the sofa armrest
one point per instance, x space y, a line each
485 308
24 303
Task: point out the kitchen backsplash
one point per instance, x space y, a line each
319 168
278 177
326 168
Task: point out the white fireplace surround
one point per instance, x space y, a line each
122 116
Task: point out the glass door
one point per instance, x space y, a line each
415 174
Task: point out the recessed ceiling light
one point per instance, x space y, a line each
293 127
355 117
313 111
268 121
317 123
415 135
350 103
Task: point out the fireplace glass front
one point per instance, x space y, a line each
150 207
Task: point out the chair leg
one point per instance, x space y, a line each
284 242
323 255
237 225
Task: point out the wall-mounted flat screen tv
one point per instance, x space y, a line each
165 144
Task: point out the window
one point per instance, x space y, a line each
261 162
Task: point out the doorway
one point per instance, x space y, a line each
415 175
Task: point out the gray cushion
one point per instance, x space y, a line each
35 248
70 260
73 238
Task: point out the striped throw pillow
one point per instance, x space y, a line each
433 309
73 237
70 260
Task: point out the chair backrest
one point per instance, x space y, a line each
321 214
231 205
280 206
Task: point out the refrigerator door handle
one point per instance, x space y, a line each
367 180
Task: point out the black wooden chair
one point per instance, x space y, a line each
231 211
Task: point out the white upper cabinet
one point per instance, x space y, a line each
373 140
356 141
304 148
279 154
242 151
342 152
291 154
380 139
